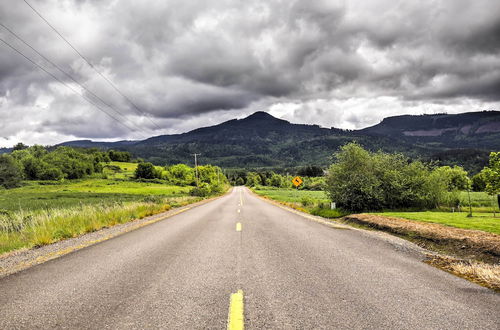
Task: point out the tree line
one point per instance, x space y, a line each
206 179
41 163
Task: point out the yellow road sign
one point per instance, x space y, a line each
297 181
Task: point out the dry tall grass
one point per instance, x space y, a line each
31 229
487 275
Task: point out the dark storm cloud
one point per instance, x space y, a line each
319 61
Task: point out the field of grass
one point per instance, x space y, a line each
42 212
310 201
292 195
481 221
480 201
317 203
42 195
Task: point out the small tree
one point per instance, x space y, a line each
478 182
492 176
145 171
10 172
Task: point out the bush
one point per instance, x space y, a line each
10 172
362 181
145 171
202 191
51 173
307 201
478 182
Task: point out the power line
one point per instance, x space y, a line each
69 76
136 108
65 84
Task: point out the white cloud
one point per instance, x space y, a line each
188 63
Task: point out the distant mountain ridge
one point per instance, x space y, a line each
261 140
471 123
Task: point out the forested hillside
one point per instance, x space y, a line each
263 141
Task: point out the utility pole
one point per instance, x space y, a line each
196 167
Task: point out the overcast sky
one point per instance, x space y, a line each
187 64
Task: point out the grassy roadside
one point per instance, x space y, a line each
480 221
27 230
309 201
44 212
466 247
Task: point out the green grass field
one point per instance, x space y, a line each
42 195
480 201
292 195
482 206
43 212
480 221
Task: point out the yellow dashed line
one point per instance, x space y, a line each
235 320
238 226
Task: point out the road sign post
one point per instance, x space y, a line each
297 181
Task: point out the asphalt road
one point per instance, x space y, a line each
294 273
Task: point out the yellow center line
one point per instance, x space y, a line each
235 319
238 226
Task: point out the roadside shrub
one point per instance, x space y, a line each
202 191
307 201
360 181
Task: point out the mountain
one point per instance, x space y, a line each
472 129
5 150
261 140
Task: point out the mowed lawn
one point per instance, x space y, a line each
479 221
44 195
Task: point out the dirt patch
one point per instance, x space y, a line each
463 243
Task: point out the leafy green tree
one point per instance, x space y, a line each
145 171
10 172
352 182
455 177
119 156
253 179
50 173
180 174
73 164
359 180
276 180
32 167
20 146
478 182
492 175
